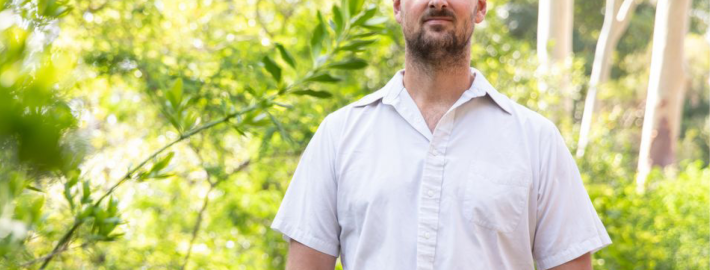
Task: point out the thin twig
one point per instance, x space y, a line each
31 262
63 241
200 215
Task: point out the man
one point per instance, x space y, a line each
437 170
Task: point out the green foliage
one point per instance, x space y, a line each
143 136
663 228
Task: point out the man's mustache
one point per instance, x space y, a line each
440 13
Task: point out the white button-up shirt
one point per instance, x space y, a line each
492 187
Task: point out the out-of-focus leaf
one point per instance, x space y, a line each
281 129
160 165
338 20
317 41
354 63
323 77
356 45
156 171
355 6
376 24
364 16
286 56
175 95
34 189
86 192
313 93
272 68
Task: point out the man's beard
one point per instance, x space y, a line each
438 53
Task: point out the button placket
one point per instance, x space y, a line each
431 186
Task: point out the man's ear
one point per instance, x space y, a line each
397 4
480 11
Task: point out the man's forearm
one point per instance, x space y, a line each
583 262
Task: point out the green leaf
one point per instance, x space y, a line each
377 21
317 41
160 165
189 120
68 195
354 63
87 212
257 120
323 77
313 93
73 180
345 8
286 56
175 94
324 29
363 17
338 20
282 130
285 105
112 206
86 192
356 45
34 188
272 68
355 6
363 35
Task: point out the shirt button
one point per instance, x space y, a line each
430 193
427 235
434 152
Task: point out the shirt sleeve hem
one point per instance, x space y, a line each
292 232
590 245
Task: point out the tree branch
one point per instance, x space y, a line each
129 175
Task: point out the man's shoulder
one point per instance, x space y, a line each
339 118
532 120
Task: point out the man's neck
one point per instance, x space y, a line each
437 85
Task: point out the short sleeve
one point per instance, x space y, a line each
308 211
567 224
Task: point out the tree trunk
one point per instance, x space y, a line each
616 20
554 44
666 89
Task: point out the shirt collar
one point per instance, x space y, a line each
391 91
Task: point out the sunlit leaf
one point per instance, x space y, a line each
175 94
355 6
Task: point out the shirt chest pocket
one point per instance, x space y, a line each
495 196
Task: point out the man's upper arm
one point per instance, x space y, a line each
308 212
301 257
567 223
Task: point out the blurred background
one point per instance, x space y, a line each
154 134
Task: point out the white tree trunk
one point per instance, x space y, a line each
554 43
666 89
616 19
